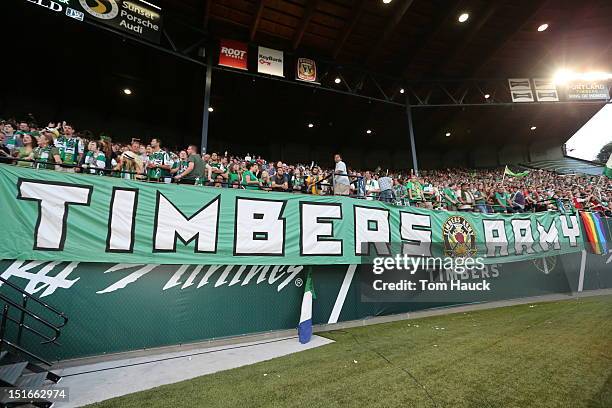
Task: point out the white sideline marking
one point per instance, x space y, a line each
100 381
346 284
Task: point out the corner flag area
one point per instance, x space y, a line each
554 354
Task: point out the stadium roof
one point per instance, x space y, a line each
419 38
409 39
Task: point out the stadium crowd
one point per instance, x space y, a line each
60 147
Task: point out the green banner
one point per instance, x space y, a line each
119 307
57 216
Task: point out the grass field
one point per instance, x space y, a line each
542 355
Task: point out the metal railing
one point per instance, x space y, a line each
325 184
23 311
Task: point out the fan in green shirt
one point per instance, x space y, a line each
249 179
450 198
94 159
46 152
415 190
233 176
70 148
400 190
502 200
159 164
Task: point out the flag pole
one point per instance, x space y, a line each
598 186
504 176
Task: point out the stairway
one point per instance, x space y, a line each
24 318
19 375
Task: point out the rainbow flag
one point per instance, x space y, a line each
594 229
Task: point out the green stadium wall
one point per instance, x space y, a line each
120 307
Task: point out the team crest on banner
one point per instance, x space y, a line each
306 70
459 238
270 61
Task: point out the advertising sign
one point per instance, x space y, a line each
520 90
135 17
587 91
546 90
270 61
233 54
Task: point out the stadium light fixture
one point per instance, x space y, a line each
402 90
127 91
310 125
542 27
211 109
463 17
487 96
387 1
447 134
337 80
563 76
368 131
533 128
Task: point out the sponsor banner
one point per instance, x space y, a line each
546 90
520 90
584 91
306 70
114 307
233 54
270 61
59 216
135 17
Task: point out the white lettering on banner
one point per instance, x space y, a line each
317 229
135 19
523 237
40 280
171 224
139 10
51 5
192 277
286 273
122 221
548 238
371 226
237 276
233 53
174 280
53 203
207 275
573 232
131 278
415 229
259 227
495 237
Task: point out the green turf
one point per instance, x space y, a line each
543 355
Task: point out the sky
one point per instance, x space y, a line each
590 138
